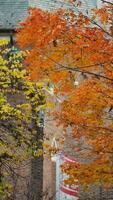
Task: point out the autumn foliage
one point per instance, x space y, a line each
73 52
19 105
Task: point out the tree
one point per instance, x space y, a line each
74 53
19 105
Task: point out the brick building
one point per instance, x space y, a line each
41 171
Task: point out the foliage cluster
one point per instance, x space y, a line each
74 53
20 103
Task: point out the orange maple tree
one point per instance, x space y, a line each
73 52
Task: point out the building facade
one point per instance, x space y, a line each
41 173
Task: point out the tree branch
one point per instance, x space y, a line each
107 2
94 22
76 69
